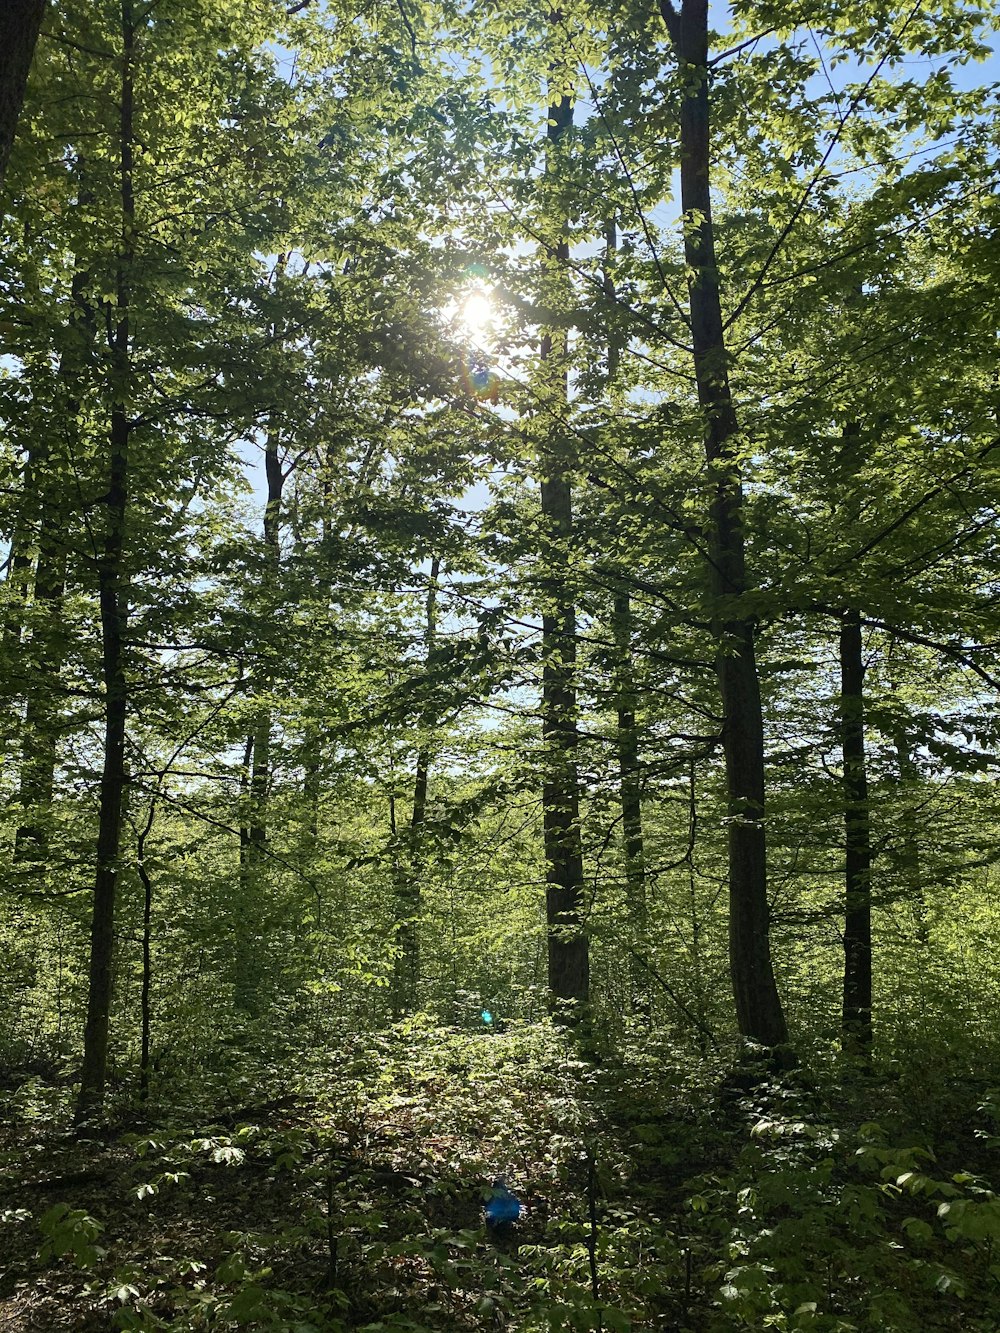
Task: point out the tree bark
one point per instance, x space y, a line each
857 1008
630 791
38 746
908 782
20 23
759 1013
113 597
261 774
258 756
43 655
145 1002
629 784
913 875
406 978
568 945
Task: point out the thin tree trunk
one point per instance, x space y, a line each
311 791
43 654
630 789
614 350
857 1011
43 658
758 1006
113 596
20 23
311 787
246 923
18 580
908 784
568 945
261 775
913 875
245 804
145 1007
409 890
258 755
698 974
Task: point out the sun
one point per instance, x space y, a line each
477 315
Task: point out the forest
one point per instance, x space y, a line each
500 646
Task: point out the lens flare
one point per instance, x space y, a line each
475 318
477 314
480 382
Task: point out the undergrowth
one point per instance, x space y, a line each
660 1192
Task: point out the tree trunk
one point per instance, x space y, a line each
145 1005
857 1012
630 790
758 1006
908 784
113 596
20 22
261 775
406 979
114 622
568 945
43 655
258 755
913 875
245 804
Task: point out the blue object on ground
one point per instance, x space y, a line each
502 1207
487 1017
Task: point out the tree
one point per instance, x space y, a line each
20 24
406 968
568 953
113 596
161 395
758 1006
543 613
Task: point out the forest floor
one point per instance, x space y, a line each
659 1194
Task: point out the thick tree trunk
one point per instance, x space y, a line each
20 23
758 1006
113 596
568 945
857 1012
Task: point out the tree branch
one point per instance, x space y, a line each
672 21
